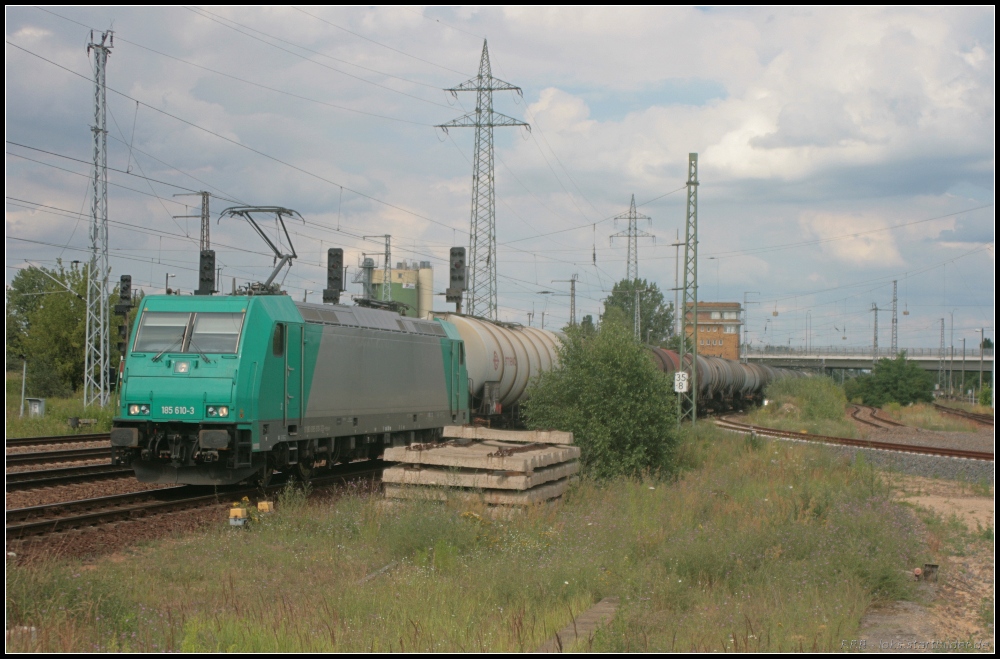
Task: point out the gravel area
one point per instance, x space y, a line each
42 448
923 465
77 491
118 537
979 440
929 466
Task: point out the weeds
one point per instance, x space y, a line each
923 415
813 405
57 414
759 546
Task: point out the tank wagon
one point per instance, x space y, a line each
221 389
723 384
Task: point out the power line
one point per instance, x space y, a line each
378 43
244 146
218 19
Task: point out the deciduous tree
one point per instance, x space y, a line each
606 391
656 317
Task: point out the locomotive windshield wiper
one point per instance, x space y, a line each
198 350
169 347
160 353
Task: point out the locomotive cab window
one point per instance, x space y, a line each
161 331
278 342
209 332
216 332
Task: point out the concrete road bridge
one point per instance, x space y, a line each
838 357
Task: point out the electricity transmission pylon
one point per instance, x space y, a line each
96 387
481 295
633 234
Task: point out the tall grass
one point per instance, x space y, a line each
815 405
57 414
755 545
923 415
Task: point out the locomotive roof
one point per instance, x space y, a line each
343 315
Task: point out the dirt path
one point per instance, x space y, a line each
954 613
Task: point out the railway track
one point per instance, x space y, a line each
11 442
29 480
984 419
737 426
41 520
873 419
52 457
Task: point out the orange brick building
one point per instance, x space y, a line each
718 329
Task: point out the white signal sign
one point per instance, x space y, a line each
680 382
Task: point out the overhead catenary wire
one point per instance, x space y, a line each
244 146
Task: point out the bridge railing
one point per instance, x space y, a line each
845 351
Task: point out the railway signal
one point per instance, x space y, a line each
457 281
122 309
206 273
334 275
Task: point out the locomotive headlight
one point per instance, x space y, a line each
136 409
217 411
182 367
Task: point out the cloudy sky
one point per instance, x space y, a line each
839 150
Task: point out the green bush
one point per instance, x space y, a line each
892 381
986 396
607 392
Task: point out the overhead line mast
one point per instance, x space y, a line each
688 400
96 385
481 295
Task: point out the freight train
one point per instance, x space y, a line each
218 390
722 383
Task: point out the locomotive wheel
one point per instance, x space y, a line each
263 478
304 471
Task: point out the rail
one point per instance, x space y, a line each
11 442
729 424
29 480
985 419
50 518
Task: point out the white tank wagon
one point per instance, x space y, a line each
502 359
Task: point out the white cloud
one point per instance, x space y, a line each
863 248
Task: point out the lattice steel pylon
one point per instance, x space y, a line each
941 358
894 342
632 234
688 400
204 216
96 383
481 295
875 336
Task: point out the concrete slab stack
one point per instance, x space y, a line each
496 467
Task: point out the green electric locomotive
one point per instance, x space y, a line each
222 389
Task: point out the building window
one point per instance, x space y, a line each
730 329
716 315
729 315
